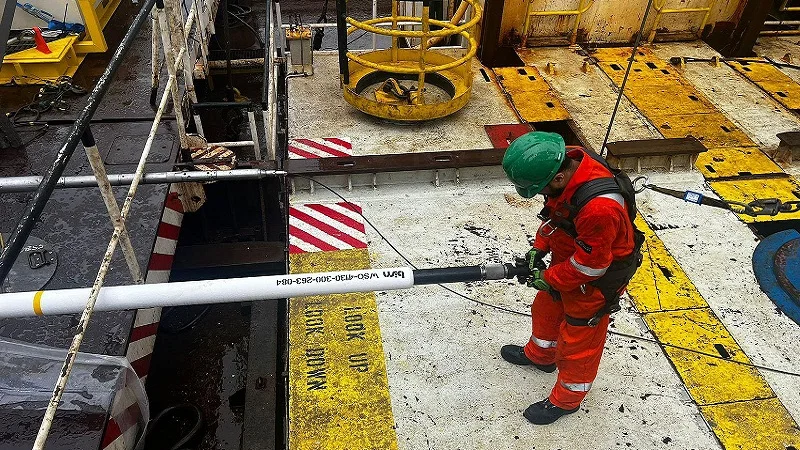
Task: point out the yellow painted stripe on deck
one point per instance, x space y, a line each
37 303
660 284
735 162
338 389
701 330
654 84
753 425
530 95
678 315
712 129
783 187
771 80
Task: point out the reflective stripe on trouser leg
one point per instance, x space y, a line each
577 387
578 351
543 343
547 317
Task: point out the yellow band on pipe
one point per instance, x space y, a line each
37 303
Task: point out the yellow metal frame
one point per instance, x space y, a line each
419 61
660 11
576 12
34 67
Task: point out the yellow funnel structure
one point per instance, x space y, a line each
412 84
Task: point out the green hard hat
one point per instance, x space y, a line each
532 161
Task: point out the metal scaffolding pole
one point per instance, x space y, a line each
94 292
29 184
101 177
39 200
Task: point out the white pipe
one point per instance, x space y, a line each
116 298
231 144
172 64
272 96
251 117
782 22
281 36
374 16
31 183
179 36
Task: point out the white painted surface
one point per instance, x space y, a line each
317 110
715 250
449 387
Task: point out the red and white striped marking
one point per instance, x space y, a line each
326 227
320 148
123 425
122 429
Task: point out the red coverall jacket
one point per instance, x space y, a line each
604 234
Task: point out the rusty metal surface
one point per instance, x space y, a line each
395 162
656 147
503 135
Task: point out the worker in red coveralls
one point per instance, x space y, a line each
587 228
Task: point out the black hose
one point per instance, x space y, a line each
447 275
182 414
164 324
42 195
252 30
341 28
603 150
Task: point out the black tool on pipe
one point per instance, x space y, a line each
37 203
341 28
470 273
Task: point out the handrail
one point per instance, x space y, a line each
660 11
573 12
417 70
784 7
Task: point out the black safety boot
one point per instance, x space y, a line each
516 355
545 413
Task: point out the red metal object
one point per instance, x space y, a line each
503 135
41 45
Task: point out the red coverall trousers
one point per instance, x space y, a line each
604 234
576 351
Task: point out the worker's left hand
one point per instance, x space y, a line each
536 280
